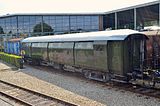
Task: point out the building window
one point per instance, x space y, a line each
109 21
125 19
147 16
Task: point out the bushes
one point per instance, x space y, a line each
12 59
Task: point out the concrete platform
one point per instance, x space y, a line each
5 66
24 80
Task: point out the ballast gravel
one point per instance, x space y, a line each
89 89
95 91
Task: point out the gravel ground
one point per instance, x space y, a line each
95 91
23 79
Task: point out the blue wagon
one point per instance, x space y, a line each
13 46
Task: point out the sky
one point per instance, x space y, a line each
64 6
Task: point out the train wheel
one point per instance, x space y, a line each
128 78
86 74
36 62
149 82
107 77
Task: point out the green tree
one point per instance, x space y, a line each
1 30
10 32
46 28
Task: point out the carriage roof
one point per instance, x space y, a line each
89 36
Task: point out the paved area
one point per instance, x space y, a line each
30 82
3 103
5 66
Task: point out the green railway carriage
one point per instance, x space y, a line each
100 55
39 51
61 53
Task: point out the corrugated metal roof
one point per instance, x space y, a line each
89 36
152 33
15 40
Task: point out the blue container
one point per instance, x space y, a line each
8 47
4 47
13 46
17 48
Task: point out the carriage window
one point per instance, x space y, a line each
99 47
84 45
67 45
34 44
39 45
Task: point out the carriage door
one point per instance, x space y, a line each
137 52
100 55
155 54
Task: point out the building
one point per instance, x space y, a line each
135 17
24 25
42 24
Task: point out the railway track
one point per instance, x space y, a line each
138 89
28 97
